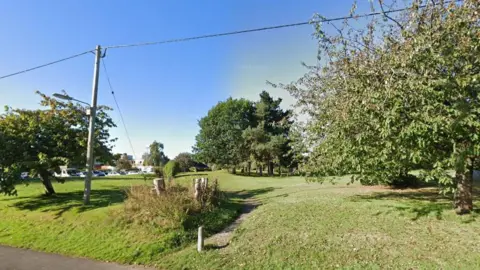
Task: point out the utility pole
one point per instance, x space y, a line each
91 127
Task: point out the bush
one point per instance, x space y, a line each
174 208
158 170
171 169
169 210
175 215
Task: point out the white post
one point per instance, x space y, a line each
197 189
205 183
200 239
91 127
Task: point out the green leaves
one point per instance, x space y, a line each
42 140
220 138
388 102
236 131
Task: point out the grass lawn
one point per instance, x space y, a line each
298 226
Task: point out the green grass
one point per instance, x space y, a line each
298 226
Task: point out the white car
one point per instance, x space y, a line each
70 172
94 174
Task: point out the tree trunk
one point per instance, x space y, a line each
47 183
270 168
280 170
249 167
234 170
260 170
464 194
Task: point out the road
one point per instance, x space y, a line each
23 259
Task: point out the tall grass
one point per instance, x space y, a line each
175 208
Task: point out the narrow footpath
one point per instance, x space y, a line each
222 239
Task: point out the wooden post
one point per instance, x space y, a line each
204 183
197 189
200 239
159 185
215 185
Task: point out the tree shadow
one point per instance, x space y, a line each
64 202
215 247
264 175
248 194
420 203
190 174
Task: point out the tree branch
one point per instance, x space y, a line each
388 17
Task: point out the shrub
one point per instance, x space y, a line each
175 215
173 208
171 169
158 170
169 210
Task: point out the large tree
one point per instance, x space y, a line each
268 140
185 161
40 141
220 138
155 156
401 95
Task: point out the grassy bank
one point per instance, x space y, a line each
61 224
298 226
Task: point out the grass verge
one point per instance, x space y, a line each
298 226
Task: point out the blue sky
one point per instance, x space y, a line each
162 90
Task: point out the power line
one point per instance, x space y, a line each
223 34
267 28
45 65
118 107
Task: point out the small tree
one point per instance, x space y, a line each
40 141
171 169
123 163
185 161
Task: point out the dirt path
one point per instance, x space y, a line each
24 259
222 239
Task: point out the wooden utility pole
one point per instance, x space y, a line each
91 127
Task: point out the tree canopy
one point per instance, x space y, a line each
39 141
400 96
220 138
123 163
239 131
185 161
155 156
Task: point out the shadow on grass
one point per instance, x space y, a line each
248 194
136 177
215 247
265 175
420 203
190 174
64 202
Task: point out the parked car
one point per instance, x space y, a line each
24 175
69 172
113 173
98 174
